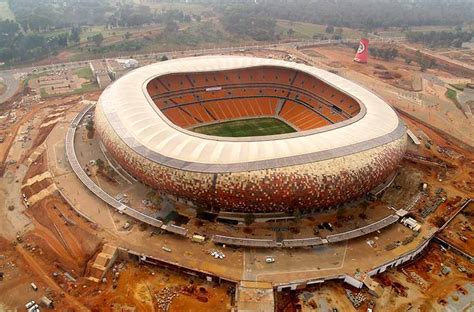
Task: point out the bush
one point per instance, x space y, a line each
249 219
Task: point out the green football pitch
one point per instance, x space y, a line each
246 128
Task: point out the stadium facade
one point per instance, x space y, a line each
347 140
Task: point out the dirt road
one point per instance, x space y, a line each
48 280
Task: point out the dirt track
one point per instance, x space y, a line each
64 237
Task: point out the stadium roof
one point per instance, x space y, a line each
143 127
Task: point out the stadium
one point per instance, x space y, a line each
245 134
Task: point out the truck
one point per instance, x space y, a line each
34 287
198 239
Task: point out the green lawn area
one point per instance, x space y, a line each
246 128
85 73
451 94
307 30
187 8
302 30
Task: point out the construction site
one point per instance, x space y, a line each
406 246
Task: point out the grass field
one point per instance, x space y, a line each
451 94
307 30
187 8
85 73
246 128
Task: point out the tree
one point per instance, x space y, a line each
9 28
76 34
153 197
329 29
99 163
408 60
246 21
249 218
374 52
24 24
425 64
164 58
98 39
290 32
171 27
109 171
127 35
90 128
90 125
383 53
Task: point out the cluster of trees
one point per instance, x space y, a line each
175 15
128 15
336 33
435 39
386 54
15 46
90 128
34 15
45 15
368 14
125 46
105 169
76 34
97 39
137 15
206 32
249 22
424 62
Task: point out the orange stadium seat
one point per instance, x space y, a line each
186 100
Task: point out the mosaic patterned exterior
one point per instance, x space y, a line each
308 186
281 173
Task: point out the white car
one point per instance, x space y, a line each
269 259
217 254
30 304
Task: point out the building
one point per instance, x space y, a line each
99 69
411 223
118 67
346 140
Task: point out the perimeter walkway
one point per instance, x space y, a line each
309 241
120 207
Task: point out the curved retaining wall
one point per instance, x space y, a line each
121 208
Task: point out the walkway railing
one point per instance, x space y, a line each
94 188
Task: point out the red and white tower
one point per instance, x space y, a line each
363 51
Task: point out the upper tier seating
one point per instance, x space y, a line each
303 101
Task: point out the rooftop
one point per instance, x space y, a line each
142 126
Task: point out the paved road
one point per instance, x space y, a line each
12 85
